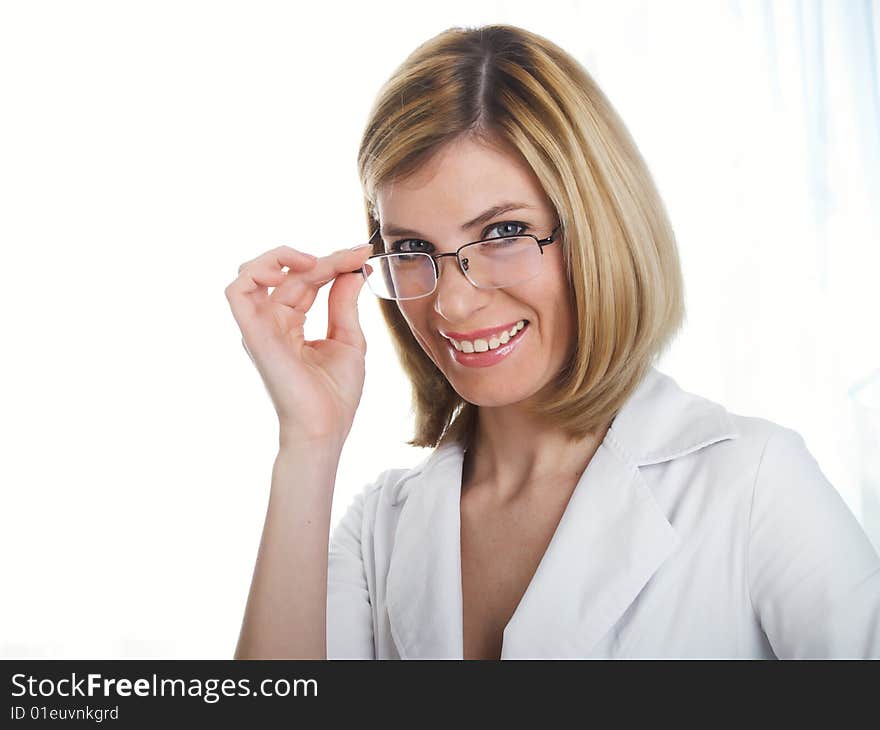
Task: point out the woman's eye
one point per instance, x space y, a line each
507 228
411 245
497 230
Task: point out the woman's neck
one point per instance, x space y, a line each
511 453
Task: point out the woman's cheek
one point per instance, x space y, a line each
412 320
423 343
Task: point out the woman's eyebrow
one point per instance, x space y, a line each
393 230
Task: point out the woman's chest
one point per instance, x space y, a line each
501 548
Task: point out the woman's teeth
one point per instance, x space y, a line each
491 343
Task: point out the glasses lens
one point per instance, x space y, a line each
501 262
401 275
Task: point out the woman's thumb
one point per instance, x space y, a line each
342 315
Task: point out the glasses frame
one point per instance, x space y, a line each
457 253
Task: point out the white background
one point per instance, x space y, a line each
149 148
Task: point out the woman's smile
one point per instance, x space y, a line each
485 351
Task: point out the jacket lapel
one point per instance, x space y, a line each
610 541
423 592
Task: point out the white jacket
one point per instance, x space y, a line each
693 532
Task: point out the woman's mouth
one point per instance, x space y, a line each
486 351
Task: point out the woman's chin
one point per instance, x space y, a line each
490 397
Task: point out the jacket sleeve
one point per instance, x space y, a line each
349 610
814 576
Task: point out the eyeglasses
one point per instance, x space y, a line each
492 263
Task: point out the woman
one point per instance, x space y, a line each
577 502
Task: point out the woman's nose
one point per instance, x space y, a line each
455 297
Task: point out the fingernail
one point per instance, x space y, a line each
361 247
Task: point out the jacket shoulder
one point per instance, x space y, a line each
756 431
385 486
389 487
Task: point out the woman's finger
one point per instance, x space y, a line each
300 291
281 256
266 270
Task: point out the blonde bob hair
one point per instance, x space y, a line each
502 84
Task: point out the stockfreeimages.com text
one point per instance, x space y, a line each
210 690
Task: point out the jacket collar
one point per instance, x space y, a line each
613 535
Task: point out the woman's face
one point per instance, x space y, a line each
462 181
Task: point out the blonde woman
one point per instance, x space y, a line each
576 502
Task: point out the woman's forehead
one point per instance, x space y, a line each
408 214
460 172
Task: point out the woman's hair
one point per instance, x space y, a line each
506 87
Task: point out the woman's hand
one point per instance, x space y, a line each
315 385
